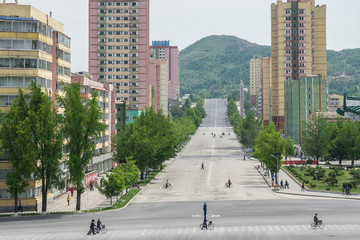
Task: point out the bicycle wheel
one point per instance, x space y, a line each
104 230
313 225
321 225
170 186
211 226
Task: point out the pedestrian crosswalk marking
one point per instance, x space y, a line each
189 231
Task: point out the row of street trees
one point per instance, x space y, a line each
247 129
154 138
322 139
34 137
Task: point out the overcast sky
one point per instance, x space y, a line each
183 22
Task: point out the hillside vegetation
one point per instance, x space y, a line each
215 65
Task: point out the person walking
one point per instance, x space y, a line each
68 199
202 166
303 187
281 184
92 227
20 207
72 191
36 205
205 209
244 157
286 184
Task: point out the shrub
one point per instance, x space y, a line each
309 161
327 189
312 185
306 181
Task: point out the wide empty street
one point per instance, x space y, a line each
248 210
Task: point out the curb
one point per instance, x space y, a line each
318 196
263 176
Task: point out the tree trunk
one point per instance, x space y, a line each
44 196
78 196
142 175
317 161
340 161
352 161
111 200
16 203
161 167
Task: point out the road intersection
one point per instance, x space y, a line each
248 210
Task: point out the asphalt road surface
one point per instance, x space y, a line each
248 210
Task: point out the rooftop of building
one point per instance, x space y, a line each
17 11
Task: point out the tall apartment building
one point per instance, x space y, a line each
164 51
266 90
255 83
33 47
298 52
119 50
159 80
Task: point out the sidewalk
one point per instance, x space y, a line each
295 188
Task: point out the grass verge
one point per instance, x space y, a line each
304 175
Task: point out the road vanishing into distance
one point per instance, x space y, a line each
248 210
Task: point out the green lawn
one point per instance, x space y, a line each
322 184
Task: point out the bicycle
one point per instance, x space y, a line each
227 185
319 224
169 186
209 226
102 229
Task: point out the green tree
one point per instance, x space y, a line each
338 139
34 128
289 147
250 129
269 148
17 185
16 145
130 172
315 137
46 142
352 140
81 126
112 184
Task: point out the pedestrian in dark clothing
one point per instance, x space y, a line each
302 187
205 209
281 184
286 184
20 207
202 166
92 227
72 191
36 203
347 190
244 158
91 187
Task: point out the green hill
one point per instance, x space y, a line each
215 65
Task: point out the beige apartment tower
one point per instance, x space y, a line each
255 83
266 90
298 48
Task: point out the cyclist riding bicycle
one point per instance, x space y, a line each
316 220
167 184
204 223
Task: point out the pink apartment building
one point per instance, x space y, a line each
163 50
119 48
